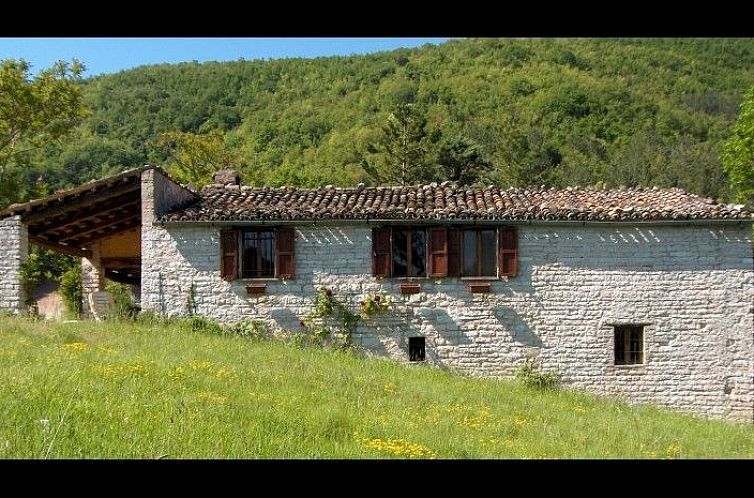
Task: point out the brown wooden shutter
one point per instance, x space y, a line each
229 254
284 242
454 252
438 252
507 256
381 252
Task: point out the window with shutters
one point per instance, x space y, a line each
438 252
258 254
479 249
629 344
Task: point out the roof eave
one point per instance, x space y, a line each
450 221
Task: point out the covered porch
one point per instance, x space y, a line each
99 221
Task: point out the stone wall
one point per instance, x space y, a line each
158 195
14 248
693 287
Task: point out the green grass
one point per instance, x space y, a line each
148 391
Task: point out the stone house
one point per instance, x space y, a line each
644 294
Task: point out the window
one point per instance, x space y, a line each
438 252
629 344
409 252
416 349
258 254
479 253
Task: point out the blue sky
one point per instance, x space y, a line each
107 55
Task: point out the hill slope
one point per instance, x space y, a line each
146 391
634 112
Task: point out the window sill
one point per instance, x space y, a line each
633 365
261 279
465 279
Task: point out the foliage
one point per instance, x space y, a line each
399 155
374 304
202 324
738 152
30 275
541 111
125 308
71 291
462 160
191 304
253 329
34 112
195 158
530 375
131 390
326 305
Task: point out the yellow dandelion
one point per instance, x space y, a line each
76 346
389 388
211 397
580 409
177 373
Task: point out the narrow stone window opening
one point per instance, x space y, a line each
416 349
629 344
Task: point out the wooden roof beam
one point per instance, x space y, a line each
114 230
74 251
100 226
76 227
74 215
63 207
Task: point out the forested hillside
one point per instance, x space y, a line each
516 112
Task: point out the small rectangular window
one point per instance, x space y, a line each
629 344
258 254
409 253
479 253
416 349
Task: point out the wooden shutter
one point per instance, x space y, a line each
229 254
438 252
381 252
284 242
454 252
507 256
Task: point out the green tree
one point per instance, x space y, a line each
399 156
461 160
33 112
738 152
195 158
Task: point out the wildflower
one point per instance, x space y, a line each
389 388
45 423
580 409
400 447
177 374
76 346
302 323
211 397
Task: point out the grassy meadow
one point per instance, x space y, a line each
130 390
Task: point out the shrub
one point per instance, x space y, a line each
71 291
202 324
530 376
125 308
253 329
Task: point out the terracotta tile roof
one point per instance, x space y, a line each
446 201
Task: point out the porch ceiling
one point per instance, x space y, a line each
72 220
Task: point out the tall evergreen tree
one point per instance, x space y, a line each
400 155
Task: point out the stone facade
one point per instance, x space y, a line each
692 286
14 248
158 195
